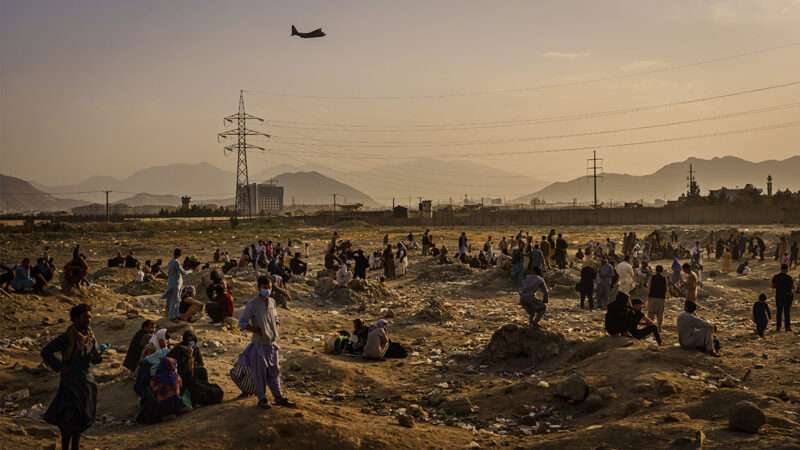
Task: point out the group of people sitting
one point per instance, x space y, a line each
368 341
348 263
170 379
27 277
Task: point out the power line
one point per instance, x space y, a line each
319 126
537 87
388 144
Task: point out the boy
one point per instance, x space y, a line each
761 314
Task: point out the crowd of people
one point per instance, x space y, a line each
171 379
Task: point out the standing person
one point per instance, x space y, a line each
793 254
261 355
546 248
761 314
527 297
627 277
402 259
561 251
692 282
463 245
726 260
388 263
657 296
537 259
784 296
586 285
605 275
74 406
175 273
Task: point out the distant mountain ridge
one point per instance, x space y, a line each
669 182
313 188
17 195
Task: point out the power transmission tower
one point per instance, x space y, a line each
243 203
693 188
108 211
593 168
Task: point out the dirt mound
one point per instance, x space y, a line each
358 291
445 273
513 341
562 277
146 288
435 310
113 275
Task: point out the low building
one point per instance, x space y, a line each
723 194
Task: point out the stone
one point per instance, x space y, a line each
607 392
213 344
573 389
676 417
695 442
746 417
406 421
458 407
666 387
514 341
116 324
594 402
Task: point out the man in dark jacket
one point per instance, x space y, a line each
657 296
784 295
586 285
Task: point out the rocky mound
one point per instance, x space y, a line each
513 341
445 273
435 310
358 291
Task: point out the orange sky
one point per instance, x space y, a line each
107 88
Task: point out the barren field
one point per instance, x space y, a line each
459 394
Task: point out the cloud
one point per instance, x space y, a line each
642 65
563 55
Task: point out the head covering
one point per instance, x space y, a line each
188 291
160 335
167 372
189 336
381 323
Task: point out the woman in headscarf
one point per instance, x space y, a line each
74 406
193 372
137 345
158 341
388 263
155 350
164 398
189 306
377 341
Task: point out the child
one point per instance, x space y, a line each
761 314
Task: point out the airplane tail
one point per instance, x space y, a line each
294 31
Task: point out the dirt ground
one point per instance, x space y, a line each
642 396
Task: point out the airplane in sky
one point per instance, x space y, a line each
311 34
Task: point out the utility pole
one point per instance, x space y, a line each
108 210
593 168
334 205
241 146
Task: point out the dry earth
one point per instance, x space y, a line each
641 395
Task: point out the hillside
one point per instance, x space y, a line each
317 189
18 195
670 181
145 199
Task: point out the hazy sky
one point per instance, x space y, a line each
110 87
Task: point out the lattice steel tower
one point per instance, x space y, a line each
243 203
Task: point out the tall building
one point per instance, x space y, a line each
264 198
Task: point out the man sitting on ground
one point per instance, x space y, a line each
220 300
298 266
23 281
189 306
130 261
343 276
695 333
117 261
635 317
332 262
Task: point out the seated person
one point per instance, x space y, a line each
359 337
443 259
435 251
377 341
75 271
193 372
245 260
343 275
164 396
137 345
217 256
616 320
130 261
527 296
635 317
220 300
6 276
695 333
117 261
156 270
744 268
190 263
23 281
282 270
189 306
298 266
42 273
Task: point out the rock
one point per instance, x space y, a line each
116 324
458 407
747 417
513 341
435 310
213 344
666 387
594 402
543 384
695 442
677 417
406 421
607 392
573 389
16 396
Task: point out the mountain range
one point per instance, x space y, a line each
670 181
18 195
